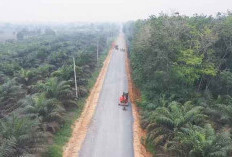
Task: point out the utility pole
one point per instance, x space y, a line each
97 51
75 76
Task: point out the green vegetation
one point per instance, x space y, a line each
63 135
183 67
37 92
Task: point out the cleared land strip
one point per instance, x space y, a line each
110 133
134 94
80 127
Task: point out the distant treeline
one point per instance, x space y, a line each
11 32
183 66
37 85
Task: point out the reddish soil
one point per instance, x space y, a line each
80 127
138 132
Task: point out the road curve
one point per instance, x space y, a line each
110 133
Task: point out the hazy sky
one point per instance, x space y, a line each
102 10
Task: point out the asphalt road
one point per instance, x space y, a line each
110 132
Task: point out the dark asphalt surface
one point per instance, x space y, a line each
110 132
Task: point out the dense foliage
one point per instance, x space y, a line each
183 67
37 84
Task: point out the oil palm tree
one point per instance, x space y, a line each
56 89
59 90
25 76
164 122
221 111
225 111
195 141
49 111
10 93
3 77
65 72
20 136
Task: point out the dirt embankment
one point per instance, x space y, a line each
135 96
80 127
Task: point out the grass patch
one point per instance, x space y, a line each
63 135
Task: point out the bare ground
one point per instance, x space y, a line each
80 127
135 96
103 128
